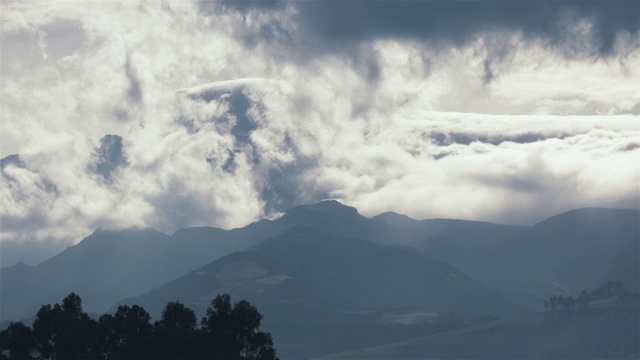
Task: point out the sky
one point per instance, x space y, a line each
171 114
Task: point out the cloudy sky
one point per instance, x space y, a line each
174 113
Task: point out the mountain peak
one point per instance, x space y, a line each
333 206
21 266
132 235
393 218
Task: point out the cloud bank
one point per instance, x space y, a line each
174 114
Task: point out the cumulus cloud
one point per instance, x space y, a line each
175 114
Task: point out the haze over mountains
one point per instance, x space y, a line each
325 266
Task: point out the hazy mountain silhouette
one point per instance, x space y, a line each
321 269
579 249
575 250
577 243
566 253
481 248
110 265
95 267
28 252
327 276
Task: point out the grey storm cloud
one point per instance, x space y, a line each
574 29
451 22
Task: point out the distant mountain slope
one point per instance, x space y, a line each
94 267
596 333
306 265
106 267
574 244
579 249
317 273
139 260
29 252
482 249
111 265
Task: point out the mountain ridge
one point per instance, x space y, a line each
468 245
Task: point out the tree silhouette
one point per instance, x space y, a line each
16 342
44 330
75 330
64 331
583 299
174 335
125 334
233 331
608 290
177 317
217 326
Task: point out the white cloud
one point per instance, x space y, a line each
416 138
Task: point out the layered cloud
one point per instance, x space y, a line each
175 114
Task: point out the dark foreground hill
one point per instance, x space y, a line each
305 279
593 333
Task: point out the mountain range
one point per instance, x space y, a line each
322 272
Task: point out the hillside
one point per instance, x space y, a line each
583 248
593 333
326 280
575 250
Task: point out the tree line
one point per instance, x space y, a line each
609 290
64 331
